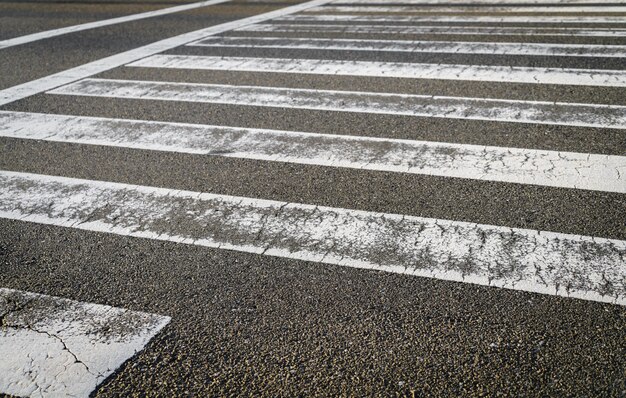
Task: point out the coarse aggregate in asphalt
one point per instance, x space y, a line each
255 325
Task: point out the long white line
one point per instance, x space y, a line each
106 22
470 9
523 166
536 261
70 75
433 30
476 2
481 73
515 111
55 347
559 20
411 46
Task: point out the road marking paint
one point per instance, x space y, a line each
515 111
38 86
411 46
51 346
515 165
433 30
536 261
481 73
468 9
106 22
565 19
474 2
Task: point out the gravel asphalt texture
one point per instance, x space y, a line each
254 325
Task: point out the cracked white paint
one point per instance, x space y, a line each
469 9
524 166
434 30
106 22
55 347
558 20
411 46
536 261
483 73
553 113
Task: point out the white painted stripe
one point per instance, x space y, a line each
553 113
55 347
565 19
106 22
70 75
470 9
542 262
481 73
473 2
411 46
433 30
524 166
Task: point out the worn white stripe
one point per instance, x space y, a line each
106 22
483 9
483 73
553 113
433 30
542 262
411 46
55 347
524 166
70 75
488 2
565 19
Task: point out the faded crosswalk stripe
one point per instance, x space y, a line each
488 73
515 111
525 166
564 19
489 2
535 261
469 9
433 29
540 49
55 347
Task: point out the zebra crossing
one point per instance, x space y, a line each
317 40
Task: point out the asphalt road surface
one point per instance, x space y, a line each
323 198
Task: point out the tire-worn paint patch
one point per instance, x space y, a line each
433 30
468 9
536 261
565 19
413 46
524 166
500 110
405 70
51 346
